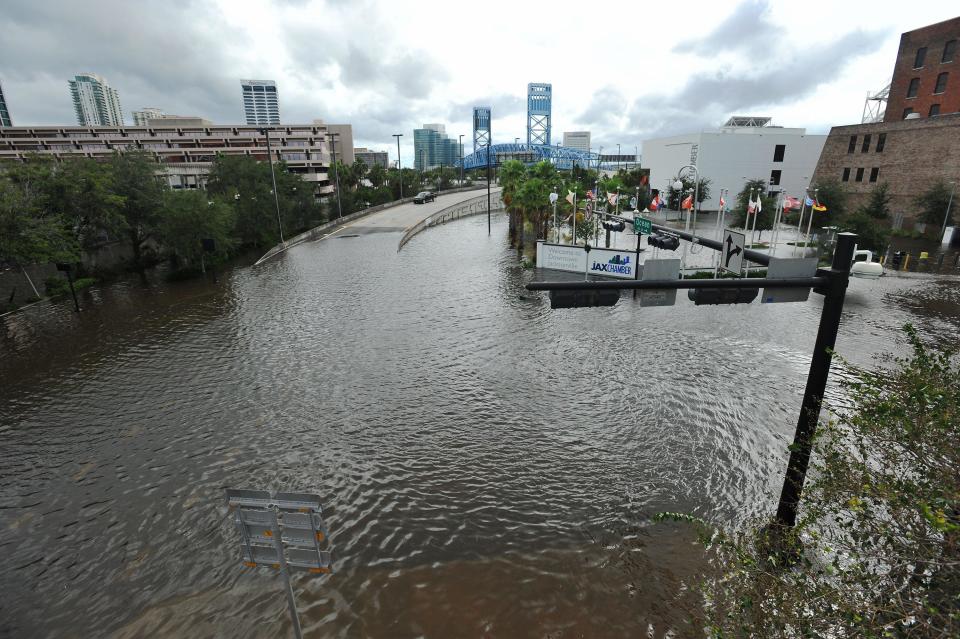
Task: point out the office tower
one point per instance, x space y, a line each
260 104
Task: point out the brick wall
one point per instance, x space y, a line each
933 37
916 153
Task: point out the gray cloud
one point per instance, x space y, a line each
747 29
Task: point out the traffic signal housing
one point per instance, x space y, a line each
664 241
614 225
583 299
701 296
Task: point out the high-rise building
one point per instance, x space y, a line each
922 85
95 102
371 157
579 140
481 127
4 112
432 147
141 117
260 103
539 109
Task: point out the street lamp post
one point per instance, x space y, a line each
399 171
946 216
618 158
678 185
336 172
461 161
488 187
273 177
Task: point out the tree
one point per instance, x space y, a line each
756 188
377 175
871 234
135 180
932 204
833 195
878 205
880 519
188 217
83 191
30 233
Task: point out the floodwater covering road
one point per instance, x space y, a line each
485 462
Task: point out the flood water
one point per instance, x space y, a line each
488 467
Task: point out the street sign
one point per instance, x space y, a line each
282 531
731 255
660 270
789 268
642 225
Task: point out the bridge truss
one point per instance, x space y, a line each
560 156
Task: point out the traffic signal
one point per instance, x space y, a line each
582 299
661 240
614 225
722 295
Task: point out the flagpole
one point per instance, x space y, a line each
803 205
806 242
778 210
574 239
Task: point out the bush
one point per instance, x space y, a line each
55 286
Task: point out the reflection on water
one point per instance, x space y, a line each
487 466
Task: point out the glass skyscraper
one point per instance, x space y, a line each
4 112
260 103
433 148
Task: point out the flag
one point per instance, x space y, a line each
808 202
644 179
818 207
751 207
759 204
723 202
790 202
570 196
656 203
688 203
612 198
588 210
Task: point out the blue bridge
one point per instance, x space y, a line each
562 157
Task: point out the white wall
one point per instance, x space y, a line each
730 157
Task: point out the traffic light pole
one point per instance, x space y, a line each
834 293
830 282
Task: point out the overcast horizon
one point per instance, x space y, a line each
625 72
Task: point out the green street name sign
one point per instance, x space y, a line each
642 225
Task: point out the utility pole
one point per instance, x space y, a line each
273 176
336 173
461 160
399 171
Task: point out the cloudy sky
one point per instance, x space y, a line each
624 70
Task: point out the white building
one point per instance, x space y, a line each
579 140
744 148
95 102
260 103
141 117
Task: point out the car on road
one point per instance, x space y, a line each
424 196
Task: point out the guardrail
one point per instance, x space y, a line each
473 206
317 231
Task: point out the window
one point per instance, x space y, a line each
934 110
941 83
881 142
921 54
860 174
778 152
846 174
866 144
775 177
914 88
853 144
949 50
906 112
874 173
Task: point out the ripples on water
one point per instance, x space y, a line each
481 458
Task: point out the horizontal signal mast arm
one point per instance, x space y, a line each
747 282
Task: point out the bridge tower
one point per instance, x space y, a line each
539 103
481 127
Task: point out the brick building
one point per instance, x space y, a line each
909 155
926 77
